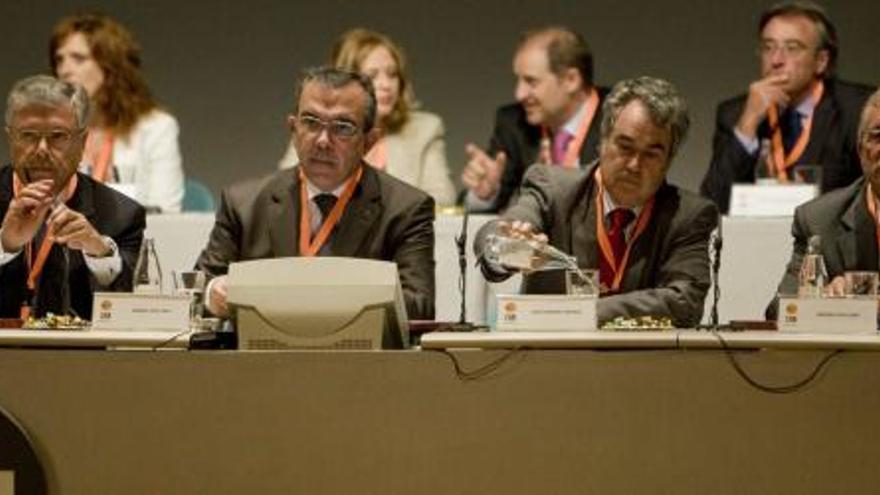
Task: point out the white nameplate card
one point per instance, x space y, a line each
838 315
769 200
127 311
521 312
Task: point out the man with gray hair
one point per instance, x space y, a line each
63 234
845 220
648 239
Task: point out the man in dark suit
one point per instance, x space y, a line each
554 120
798 113
63 235
648 239
845 220
331 203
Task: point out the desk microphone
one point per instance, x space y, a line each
716 267
461 245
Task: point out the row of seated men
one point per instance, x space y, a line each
65 233
797 112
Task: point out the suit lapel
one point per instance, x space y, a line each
363 211
858 246
582 239
284 215
824 116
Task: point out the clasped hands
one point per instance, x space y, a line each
36 203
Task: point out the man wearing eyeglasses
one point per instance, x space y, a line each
797 113
330 204
63 235
845 220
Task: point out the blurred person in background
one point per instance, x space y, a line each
412 146
132 143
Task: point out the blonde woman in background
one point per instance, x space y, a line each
131 142
412 147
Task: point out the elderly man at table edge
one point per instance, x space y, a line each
63 235
845 220
554 120
798 110
330 204
651 247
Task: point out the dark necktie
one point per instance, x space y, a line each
620 218
325 203
791 128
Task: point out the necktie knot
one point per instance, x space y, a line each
325 203
621 218
560 145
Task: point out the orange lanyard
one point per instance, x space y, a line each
872 209
378 155
781 162
618 267
35 266
306 246
572 153
102 164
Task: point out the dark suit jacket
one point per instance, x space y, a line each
847 231
832 143
668 269
112 214
521 141
386 219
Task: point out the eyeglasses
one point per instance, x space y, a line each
788 48
58 139
337 128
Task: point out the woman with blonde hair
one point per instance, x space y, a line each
412 147
132 143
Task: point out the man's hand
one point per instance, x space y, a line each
482 174
762 94
73 229
835 288
217 297
25 214
525 231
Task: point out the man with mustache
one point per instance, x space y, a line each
648 239
63 234
554 120
845 220
330 204
797 113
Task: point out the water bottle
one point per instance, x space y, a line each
813 275
147 272
525 254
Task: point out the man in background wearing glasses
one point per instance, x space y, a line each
63 235
796 113
330 204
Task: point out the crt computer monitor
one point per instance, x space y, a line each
317 303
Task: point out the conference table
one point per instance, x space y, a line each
754 254
665 412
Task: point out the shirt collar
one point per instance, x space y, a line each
574 123
610 205
313 190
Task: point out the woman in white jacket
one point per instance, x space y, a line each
132 143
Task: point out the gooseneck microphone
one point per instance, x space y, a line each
461 245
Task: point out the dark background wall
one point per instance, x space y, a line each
226 69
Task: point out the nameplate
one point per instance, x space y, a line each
837 315
769 200
519 312
127 311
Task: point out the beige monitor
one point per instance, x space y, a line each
317 303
